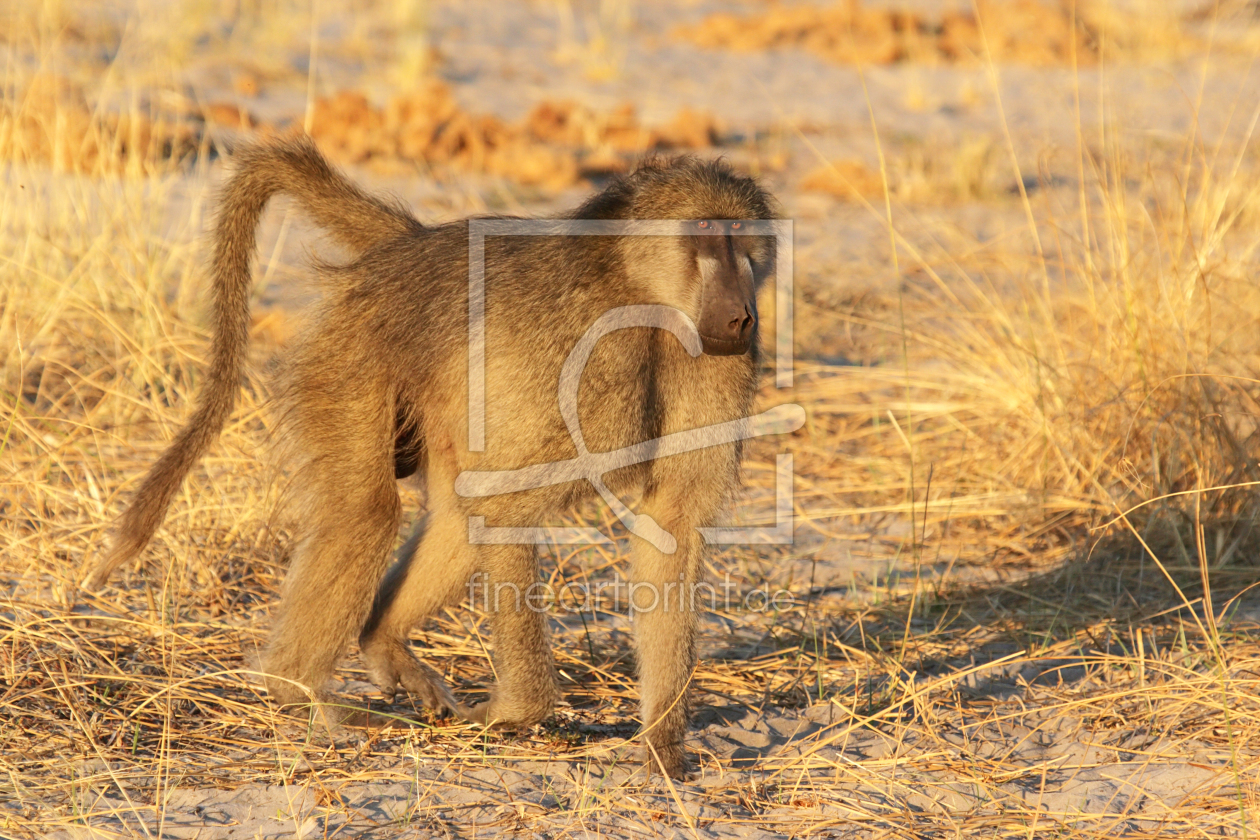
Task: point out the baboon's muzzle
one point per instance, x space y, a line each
728 304
726 326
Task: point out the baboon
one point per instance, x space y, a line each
376 389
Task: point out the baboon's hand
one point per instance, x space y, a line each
391 664
479 713
671 758
495 712
490 713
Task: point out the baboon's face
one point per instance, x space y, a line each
729 266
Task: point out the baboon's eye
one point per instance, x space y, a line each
703 225
736 225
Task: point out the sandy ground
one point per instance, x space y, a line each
765 769
415 798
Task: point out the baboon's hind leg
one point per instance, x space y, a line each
347 500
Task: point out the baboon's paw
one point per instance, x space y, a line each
287 694
425 684
479 713
495 712
330 717
391 664
670 758
385 661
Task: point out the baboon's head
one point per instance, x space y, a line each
713 268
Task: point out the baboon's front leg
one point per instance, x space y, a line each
664 601
689 490
525 691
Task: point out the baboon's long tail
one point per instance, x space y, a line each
355 218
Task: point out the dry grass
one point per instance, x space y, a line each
1114 365
1015 399
919 174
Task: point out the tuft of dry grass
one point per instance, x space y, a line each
594 39
49 122
918 174
1105 365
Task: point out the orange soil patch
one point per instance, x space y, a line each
554 145
52 123
1023 31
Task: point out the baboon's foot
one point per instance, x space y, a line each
330 716
670 758
499 711
287 694
299 705
353 716
292 702
390 663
